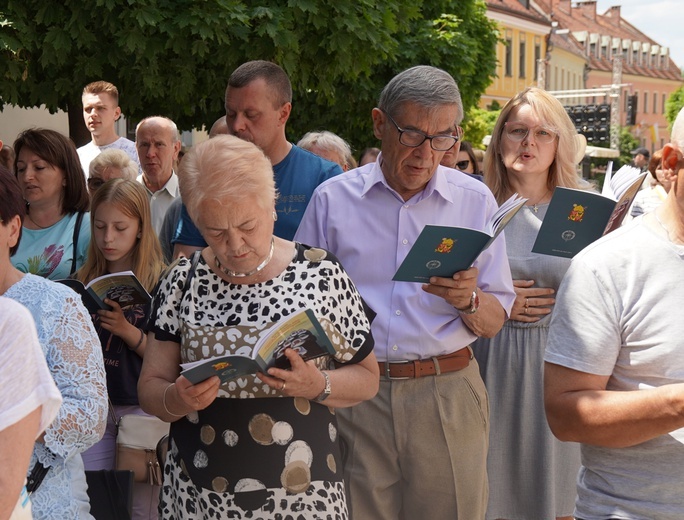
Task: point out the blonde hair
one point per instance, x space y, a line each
147 257
114 158
549 110
225 167
98 87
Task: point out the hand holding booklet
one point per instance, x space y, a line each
576 218
124 288
443 250
301 332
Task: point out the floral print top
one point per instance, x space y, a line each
49 252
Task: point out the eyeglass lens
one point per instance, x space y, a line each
518 132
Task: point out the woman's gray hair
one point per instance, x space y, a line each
114 158
330 142
424 86
225 167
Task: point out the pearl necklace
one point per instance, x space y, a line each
258 268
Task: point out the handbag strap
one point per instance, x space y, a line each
112 414
77 232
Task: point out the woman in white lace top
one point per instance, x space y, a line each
74 357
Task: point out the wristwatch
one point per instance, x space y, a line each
474 304
326 391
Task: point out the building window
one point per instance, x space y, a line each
509 57
592 49
664 99
521 59
655 102
635 57
537 57
604 51
645 102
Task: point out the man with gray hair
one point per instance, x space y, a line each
614 371
419 448
158 143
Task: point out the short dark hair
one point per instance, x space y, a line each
12 201
272 74
59 151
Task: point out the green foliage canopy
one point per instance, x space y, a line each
674 103
173 57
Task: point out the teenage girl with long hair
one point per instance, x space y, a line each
122 240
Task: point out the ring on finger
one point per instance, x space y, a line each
282 388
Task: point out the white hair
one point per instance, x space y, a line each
677 136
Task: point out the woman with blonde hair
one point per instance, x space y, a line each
122 240
534 148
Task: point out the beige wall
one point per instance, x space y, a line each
14 120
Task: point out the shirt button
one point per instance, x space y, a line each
398 313
395 347
404 241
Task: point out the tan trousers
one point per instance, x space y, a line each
419 449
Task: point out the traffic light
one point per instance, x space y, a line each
632 109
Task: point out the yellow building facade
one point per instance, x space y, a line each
523 36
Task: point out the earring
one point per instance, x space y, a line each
275 215
139 235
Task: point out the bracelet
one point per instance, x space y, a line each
164 402
137 346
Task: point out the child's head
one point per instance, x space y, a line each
121 228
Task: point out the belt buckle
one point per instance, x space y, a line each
387 369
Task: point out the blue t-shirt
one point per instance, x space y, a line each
296 178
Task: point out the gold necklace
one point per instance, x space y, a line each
258 268
535 205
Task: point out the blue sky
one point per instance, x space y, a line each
661 20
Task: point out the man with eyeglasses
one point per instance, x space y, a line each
419 448
614 371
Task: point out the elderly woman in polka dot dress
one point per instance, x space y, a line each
263 445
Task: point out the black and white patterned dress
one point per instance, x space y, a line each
255 453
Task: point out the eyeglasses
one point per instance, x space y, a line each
94 183
414 138
463 165
518 132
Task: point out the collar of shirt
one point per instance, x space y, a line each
437 184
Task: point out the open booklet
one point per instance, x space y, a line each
576 218
301 332
124 288
443 250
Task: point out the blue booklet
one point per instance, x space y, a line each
443 250
576 218
301 332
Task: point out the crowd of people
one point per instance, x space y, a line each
526 386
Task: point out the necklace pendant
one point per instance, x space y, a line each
535 208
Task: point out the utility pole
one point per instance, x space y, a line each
615 105
541 73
